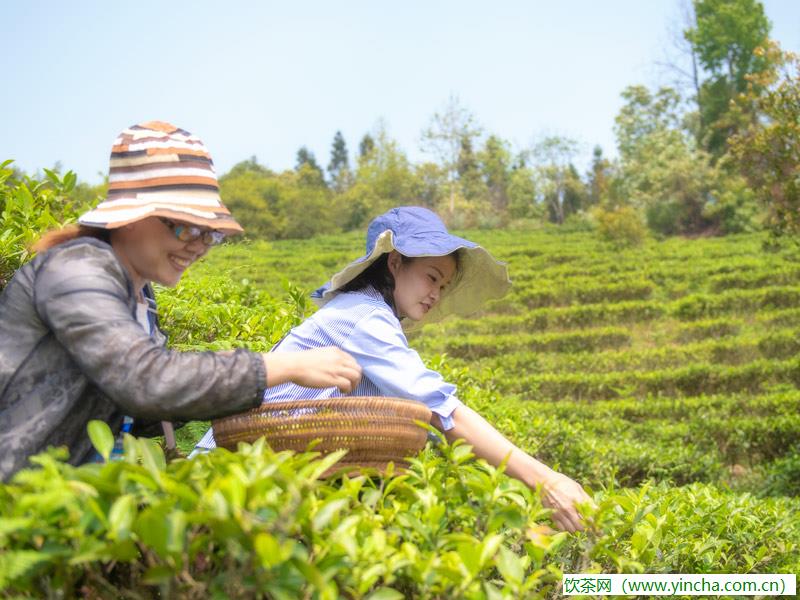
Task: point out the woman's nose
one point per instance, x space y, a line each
197 247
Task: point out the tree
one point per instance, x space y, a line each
724 38
672 181
430 186
251 165
573 196
470 177
522 196
662 171
684 66
339 166
644 114
600 179
557 176
768 150
313 172
255 198
306 205
366 146
445 137
276 206
383 179
495 162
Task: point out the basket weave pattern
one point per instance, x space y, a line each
374 430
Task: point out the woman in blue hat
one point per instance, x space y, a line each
416 273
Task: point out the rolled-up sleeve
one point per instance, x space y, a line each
378 344
83 300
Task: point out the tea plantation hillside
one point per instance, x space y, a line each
663 378
678 361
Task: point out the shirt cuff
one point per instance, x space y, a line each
445 411
207 442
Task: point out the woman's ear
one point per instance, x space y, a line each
393 262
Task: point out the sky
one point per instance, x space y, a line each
264 78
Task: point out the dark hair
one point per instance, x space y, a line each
68 233
380 277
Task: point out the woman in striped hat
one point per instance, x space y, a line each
79 338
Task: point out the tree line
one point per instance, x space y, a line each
718 152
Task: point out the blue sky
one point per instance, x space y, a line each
264 78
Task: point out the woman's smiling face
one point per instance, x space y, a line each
150 251
419 283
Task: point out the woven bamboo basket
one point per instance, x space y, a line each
373 430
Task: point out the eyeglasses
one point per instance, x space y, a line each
190 233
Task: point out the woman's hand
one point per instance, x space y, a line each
317 368
561 493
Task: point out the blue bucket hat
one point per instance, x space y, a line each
416 232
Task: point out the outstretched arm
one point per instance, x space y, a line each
559 492
379 346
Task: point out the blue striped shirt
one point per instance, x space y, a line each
363 325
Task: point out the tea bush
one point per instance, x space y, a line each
255 524
691 384
665 377
27 208
215 313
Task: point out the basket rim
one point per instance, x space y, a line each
358 417
329 403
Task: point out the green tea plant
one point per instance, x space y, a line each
665 377
218 313
255 523
27 208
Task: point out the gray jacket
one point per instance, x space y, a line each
71 350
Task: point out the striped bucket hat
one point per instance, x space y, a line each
159 170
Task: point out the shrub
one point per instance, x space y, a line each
780 344
218 313
783 476
255 523
711 328
27 208
621 226
575 341
259 524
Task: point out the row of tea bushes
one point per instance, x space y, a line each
259 524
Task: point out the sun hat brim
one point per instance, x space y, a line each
481 277
159 170
218 221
